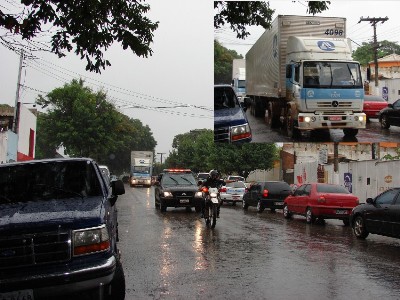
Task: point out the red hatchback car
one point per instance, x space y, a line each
320 201
373 105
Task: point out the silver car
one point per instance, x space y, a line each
233 192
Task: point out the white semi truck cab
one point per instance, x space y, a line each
324 88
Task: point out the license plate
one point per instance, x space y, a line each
335 118
235 197
184 201
214 200
17 295
278 203
341 212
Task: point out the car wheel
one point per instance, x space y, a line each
155 203
286 213
163 207
117 285
273 210
233 203
359 228
197 209
346 222
384 122
188 209
245 205
260 207
310 218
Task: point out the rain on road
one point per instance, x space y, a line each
248 255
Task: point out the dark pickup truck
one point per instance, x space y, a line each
59 231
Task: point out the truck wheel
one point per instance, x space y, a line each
259 109
163 207
352 132
291 131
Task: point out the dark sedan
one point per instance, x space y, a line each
380 215
266 194
390 115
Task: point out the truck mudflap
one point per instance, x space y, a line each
310 121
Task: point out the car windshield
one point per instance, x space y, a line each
47 180
331 189
224 97
178 179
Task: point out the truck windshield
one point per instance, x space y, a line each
322 74
141 169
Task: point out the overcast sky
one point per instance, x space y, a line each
351 10
180 72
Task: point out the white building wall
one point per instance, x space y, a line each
27 122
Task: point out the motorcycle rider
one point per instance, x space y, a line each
213 181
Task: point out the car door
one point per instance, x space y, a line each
378 219
394 215
394 114
298 196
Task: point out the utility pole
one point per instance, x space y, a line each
16 108
375 45
161 153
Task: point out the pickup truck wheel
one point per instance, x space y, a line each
384 122
352 132
117 285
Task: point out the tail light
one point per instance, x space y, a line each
223 190
265 193
205 189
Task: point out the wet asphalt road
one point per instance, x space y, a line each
248 255
372 133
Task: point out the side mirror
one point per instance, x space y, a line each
118 187
390 105
243 106
370 200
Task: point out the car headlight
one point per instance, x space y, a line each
91 240
199 195
167 194
213 195
360 118
240 132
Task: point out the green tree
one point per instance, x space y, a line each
191 150
392 157
93 26
242 159
86 124
240 14
223 59
365 53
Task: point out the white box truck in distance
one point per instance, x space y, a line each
141 168
239 78
300 75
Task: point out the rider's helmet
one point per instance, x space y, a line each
214 174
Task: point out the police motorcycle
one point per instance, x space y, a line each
211 204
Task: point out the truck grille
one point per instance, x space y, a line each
34 249
221 135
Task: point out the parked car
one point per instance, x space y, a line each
373 105
59 231
233 192
390 115
320 201
230 120
266 194
380 215
177 188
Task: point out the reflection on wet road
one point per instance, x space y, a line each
248 255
